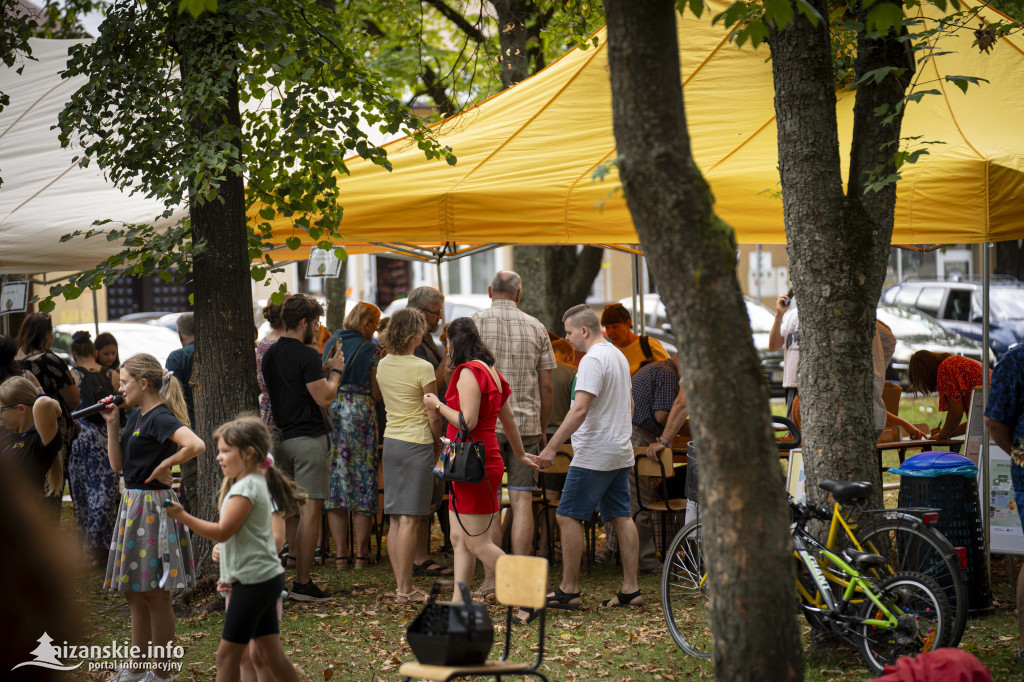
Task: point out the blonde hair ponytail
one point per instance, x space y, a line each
144 366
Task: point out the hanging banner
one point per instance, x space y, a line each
14 298
322 264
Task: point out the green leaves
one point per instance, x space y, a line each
963 82
196 7
884 17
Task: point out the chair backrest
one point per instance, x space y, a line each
645 466
560 465
565 448
796 411
891 397
521 581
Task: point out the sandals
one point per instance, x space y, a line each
361 562
563 600
429 567
531 615
342 562
288 561
621 600
484 594
413 596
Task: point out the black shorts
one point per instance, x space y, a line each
252 610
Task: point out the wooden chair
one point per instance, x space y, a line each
521 581
560 466
663 468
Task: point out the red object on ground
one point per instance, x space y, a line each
941 665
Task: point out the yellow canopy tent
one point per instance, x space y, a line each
526 156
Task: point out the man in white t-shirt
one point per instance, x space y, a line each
600 423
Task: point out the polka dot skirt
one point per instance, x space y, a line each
134 563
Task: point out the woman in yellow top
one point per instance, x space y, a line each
409 440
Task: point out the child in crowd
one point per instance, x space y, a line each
248 556
154 439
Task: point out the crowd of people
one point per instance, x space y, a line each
346 415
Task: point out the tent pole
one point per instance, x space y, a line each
642 277
985 478
635 286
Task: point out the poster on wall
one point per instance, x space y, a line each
14 298
1005 533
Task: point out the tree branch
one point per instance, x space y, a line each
457 19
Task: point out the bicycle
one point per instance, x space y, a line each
902 614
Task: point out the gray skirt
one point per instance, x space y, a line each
408 477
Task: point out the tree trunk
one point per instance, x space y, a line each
838 244
1010 258
512 34
555 278
335 289
224 377
693 256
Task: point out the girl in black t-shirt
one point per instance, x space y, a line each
149 553
35 437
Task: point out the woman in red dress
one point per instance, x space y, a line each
953 377
480 395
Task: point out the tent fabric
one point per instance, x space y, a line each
45 194
526 156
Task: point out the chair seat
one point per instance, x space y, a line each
441 672
669 505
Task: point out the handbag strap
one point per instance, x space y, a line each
451 494
463 429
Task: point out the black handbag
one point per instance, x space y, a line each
463 457
451 634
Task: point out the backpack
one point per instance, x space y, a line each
94 387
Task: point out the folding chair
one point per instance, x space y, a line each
521 581
663 468
559 466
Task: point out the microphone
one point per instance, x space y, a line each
98 407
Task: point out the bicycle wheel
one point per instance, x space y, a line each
909 545
685 592
922 611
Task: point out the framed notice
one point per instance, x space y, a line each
14 298
795 477
322 264
975 426
1005 534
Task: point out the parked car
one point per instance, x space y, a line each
132 338
761 319
956 304
916 331
455 305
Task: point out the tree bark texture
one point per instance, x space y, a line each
838 243
224 375
555 278
692 254
335 289
512 34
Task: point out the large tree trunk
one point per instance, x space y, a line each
224 376
693 256
512 19
838 243
555 278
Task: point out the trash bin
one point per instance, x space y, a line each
947 481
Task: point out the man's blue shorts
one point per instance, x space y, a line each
586 489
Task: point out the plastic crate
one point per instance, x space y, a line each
956 498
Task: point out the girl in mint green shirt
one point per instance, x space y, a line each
248 555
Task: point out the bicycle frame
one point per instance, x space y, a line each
856 583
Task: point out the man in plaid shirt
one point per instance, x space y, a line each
523 355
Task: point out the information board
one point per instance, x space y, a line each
1005 533
322 264
14 298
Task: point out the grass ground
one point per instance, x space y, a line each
360 634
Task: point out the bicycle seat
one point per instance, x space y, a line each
846 492
863 559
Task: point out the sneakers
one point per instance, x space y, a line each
307 592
